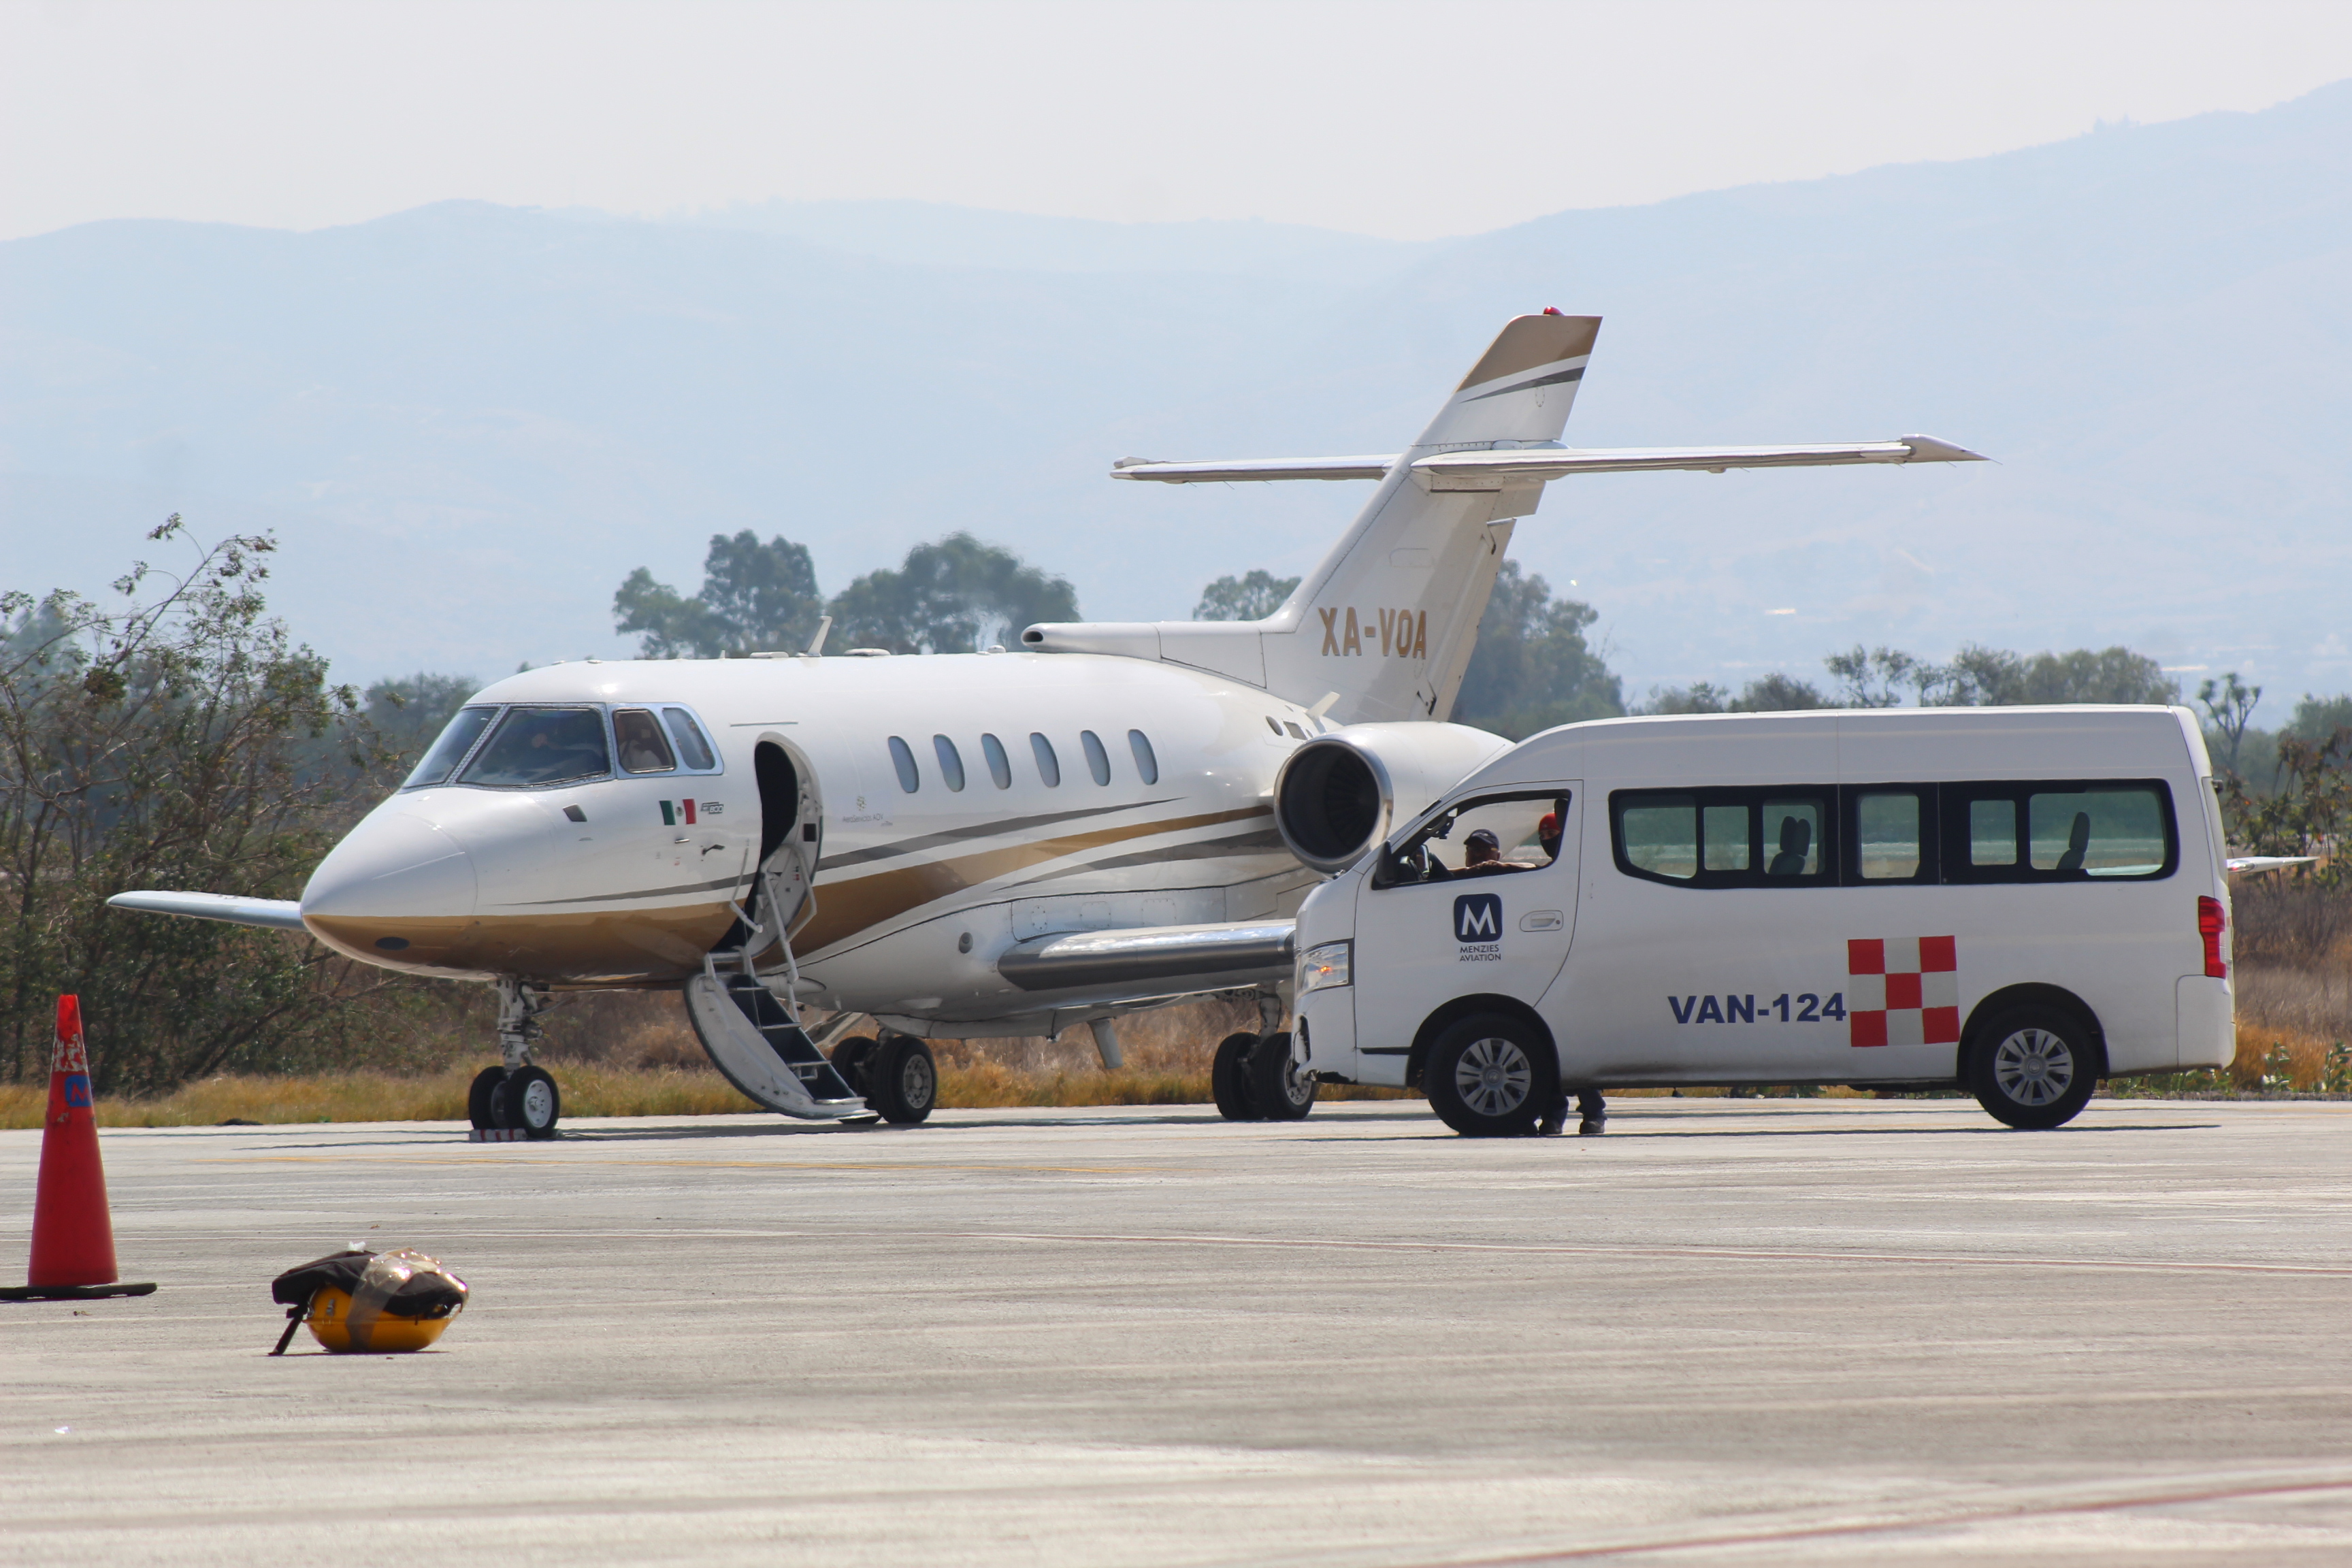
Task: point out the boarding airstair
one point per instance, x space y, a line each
748 1022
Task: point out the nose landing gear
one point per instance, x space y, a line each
516 1098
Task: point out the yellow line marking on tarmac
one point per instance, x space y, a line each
693 1164
1603 1249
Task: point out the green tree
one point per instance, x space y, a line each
1532 668
1777 693
178 739
1875 678
405 714
754 599
2229 705
1249 598
2317 717
956 595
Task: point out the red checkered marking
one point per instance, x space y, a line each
1903 990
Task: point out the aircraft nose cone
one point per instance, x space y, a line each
395 866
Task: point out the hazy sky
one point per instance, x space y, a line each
1404 120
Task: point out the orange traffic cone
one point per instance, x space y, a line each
73 1239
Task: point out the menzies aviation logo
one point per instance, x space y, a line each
1478 927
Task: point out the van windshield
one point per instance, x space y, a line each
450 749
535 747
1483 839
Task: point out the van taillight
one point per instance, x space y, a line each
2209 923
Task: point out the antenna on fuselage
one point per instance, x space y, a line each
816 643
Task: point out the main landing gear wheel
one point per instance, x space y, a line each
2034 1069
478 1097
902 1080
527 1103
1281 1089
1229 1079
849 1059
1489 1077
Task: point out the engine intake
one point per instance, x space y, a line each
1340 793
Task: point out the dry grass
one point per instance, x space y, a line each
382 1097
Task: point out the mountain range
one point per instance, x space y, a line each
467 423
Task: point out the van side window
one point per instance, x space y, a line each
1792 837
1777 838
2070 830
1992 833
1888 840
903 759
1490 836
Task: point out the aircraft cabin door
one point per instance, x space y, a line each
792 827
1431 926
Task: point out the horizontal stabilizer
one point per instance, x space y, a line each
277 915
1495 470
1252 469
1236 954
2268 862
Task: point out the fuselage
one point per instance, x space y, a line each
1051 793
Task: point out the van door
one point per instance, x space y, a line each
1431 926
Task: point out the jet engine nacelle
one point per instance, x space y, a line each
1342 792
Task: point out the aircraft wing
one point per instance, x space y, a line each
1241 953
2268 862
1486 470
277 915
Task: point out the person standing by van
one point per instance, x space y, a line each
1592 1112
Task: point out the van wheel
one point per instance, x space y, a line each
2032 1068
902 1080
1283 1089
1489 1077
1229 1079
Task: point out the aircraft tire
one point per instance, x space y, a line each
902 1080
528 1102
849 1059
2032 1068
1281 1093
478 1097
1489 1077
1229 1079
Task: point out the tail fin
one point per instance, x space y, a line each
1388 619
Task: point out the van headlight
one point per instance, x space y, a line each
1333 963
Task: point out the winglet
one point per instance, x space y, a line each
1928 449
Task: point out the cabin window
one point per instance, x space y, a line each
1147 765
951 761
1049 766
1273 724
902 757
639 744
457 739
1000 766
690 742
537 746
1098 759
1296 732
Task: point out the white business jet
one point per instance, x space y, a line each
1106 818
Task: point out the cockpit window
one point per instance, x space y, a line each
451 748
690 742
533 746
640 743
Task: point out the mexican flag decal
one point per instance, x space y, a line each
670 810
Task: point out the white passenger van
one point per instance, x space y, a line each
2018 900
